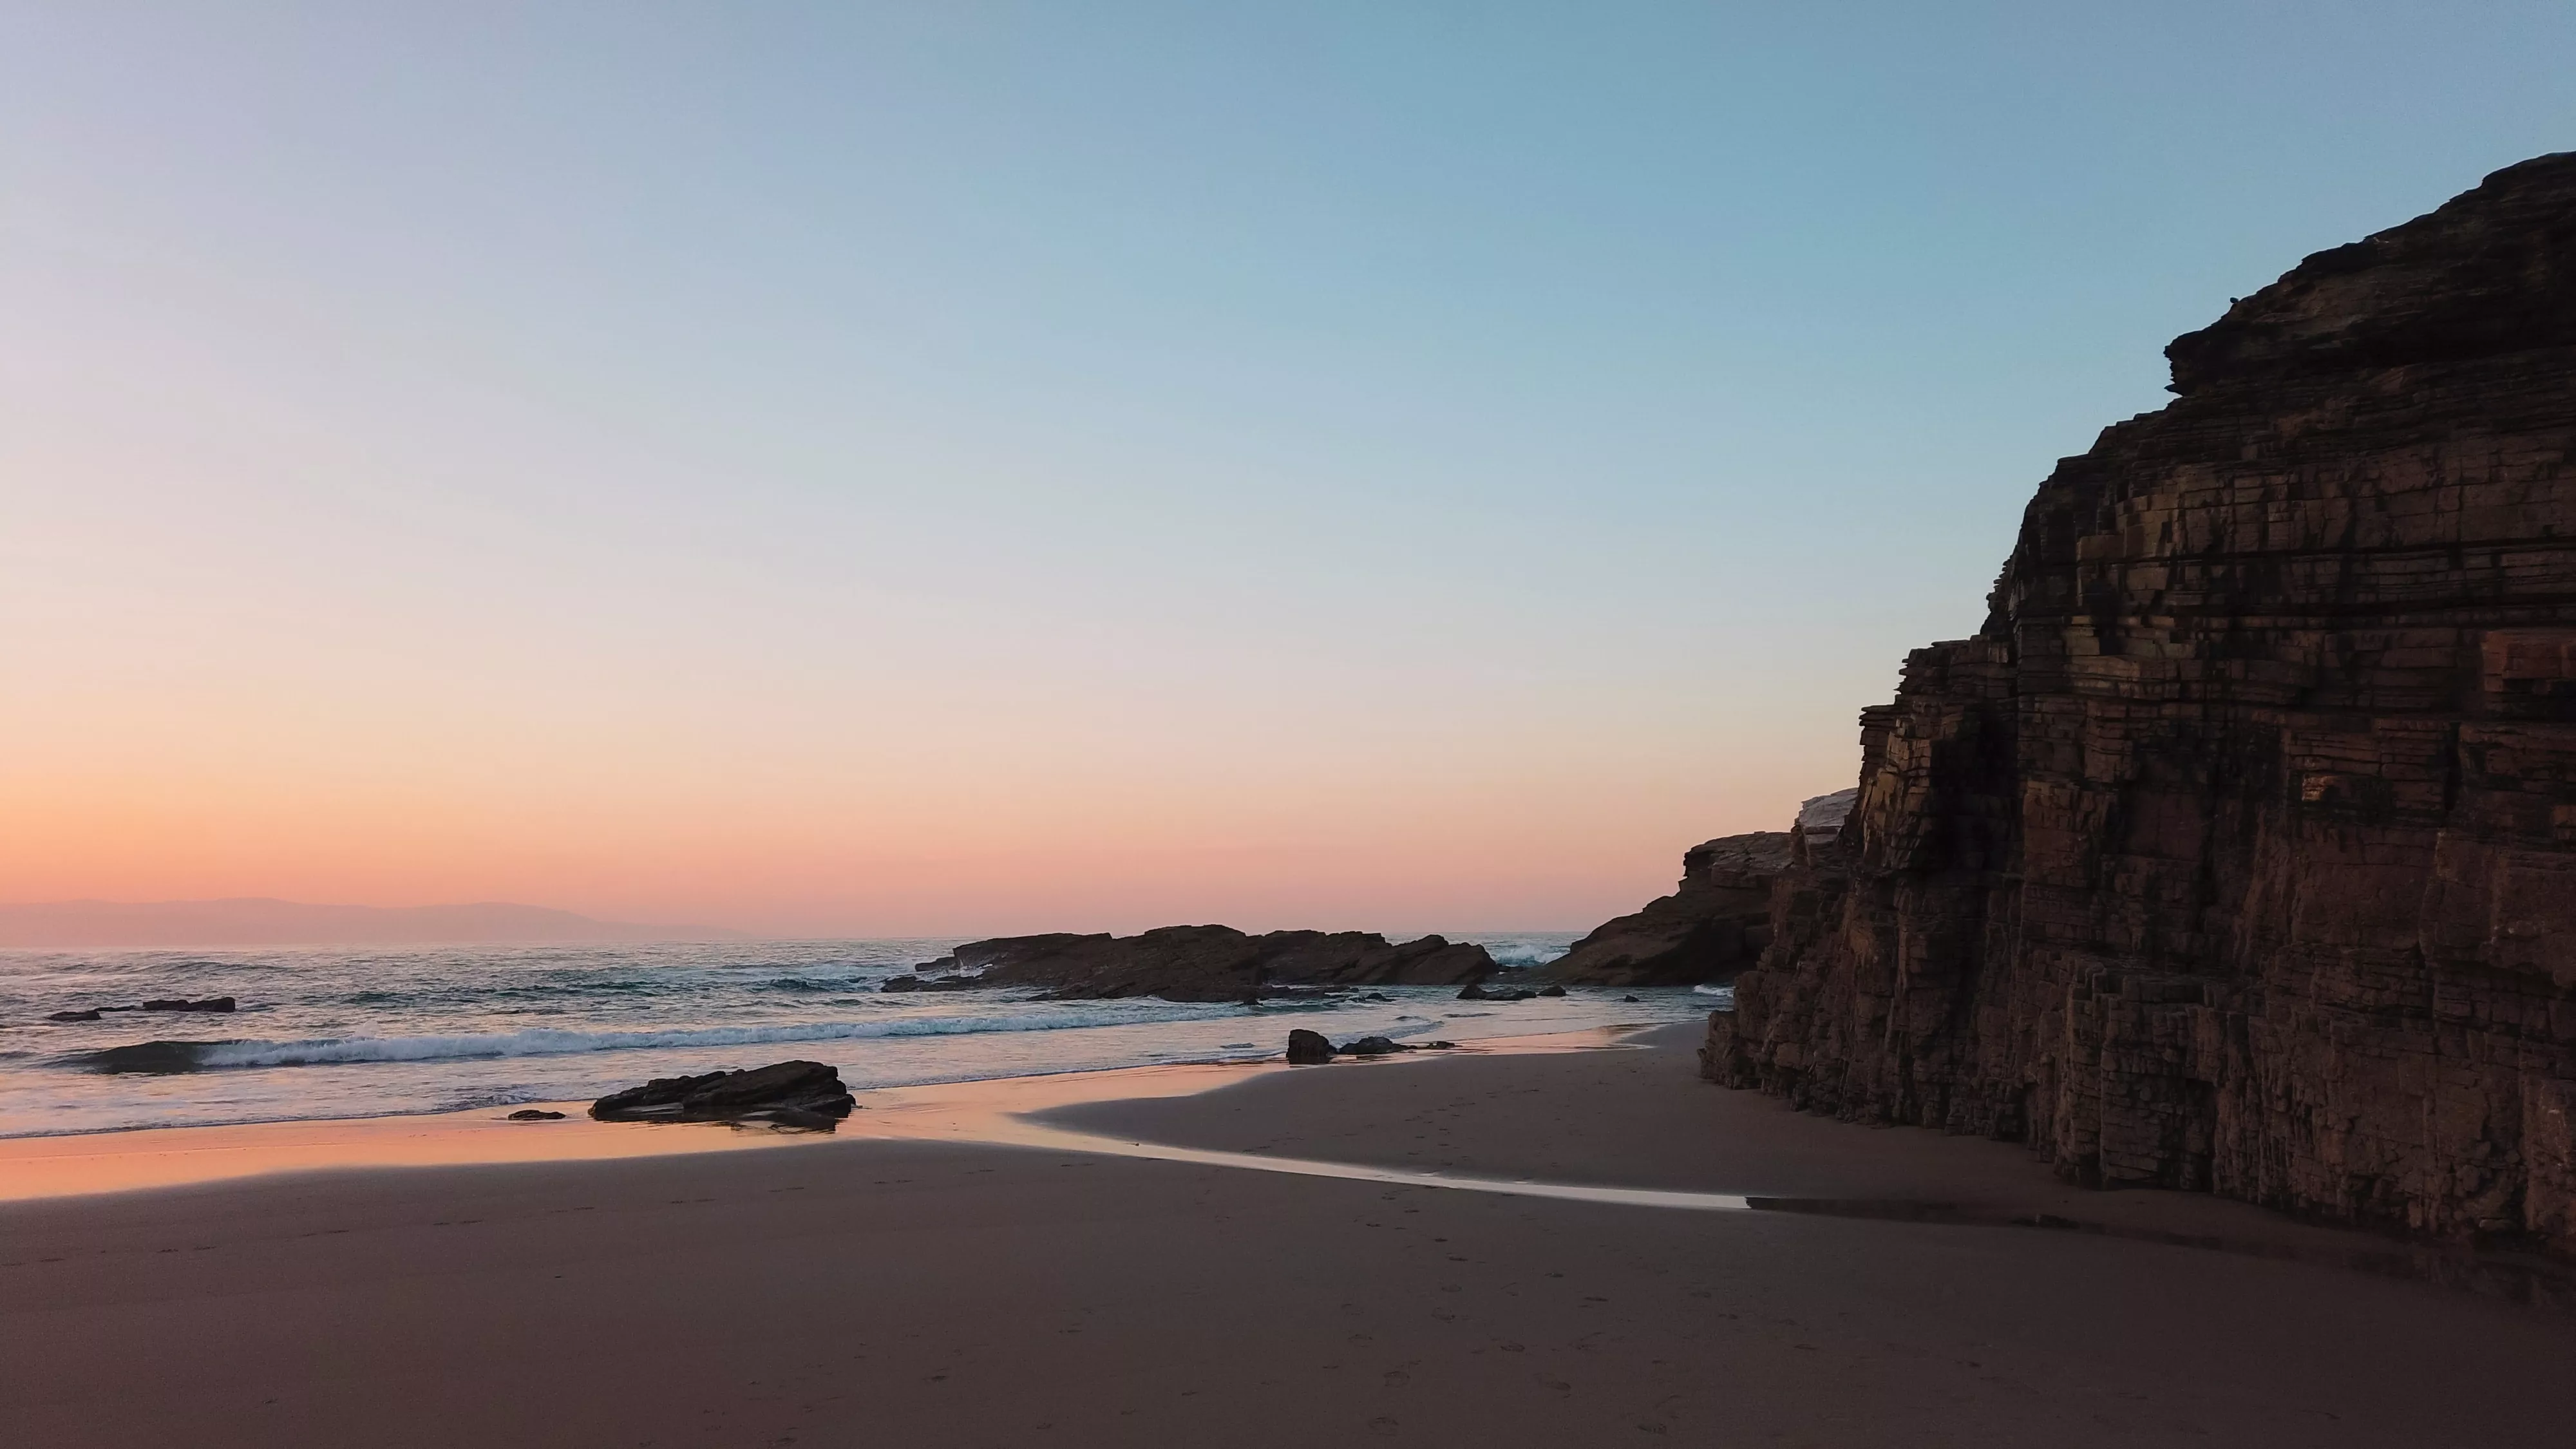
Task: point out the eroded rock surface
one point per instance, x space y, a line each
1714 924
2237 851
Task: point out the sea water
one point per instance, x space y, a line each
343 1032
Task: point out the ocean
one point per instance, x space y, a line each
365 1032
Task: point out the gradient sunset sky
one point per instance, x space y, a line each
958 467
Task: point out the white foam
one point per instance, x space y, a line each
546 1043
1523 953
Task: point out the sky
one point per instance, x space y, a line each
949 468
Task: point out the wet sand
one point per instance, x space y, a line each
907 1283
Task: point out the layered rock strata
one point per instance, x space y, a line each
1215 963
2237 851
1717 920
1714 924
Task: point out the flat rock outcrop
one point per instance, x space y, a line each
1215 963
2237 851
789 1094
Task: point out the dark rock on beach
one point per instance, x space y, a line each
534 1114
89 1015
1474 991
788 1094
2237 851
1308 1048
1217 963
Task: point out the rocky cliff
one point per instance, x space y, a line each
1714 924
2237 851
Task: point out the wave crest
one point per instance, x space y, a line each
189 1056
1516 954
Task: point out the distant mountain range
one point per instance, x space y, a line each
255 921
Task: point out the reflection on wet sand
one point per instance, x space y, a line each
981 1111
1002 1112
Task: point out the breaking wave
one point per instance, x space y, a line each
189 1056
1523 953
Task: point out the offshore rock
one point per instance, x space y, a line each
792 1094
931 983
2237 851
151 1057
1217 963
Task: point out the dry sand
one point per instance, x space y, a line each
957 1294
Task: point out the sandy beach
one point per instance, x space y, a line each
888 1287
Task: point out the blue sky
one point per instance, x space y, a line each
948 466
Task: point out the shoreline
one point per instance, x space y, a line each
334 1045
1127 1112
143 1159
961 1291
1113 1112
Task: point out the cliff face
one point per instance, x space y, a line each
1714 924
1717 921
2237 851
